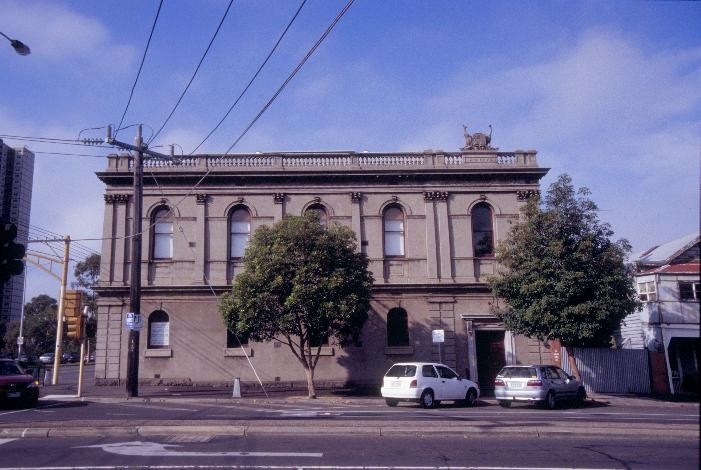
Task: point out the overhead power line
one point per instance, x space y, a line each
292 75
187 87
138 74
250 82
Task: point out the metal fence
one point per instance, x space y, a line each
606 370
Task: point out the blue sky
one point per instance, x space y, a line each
609 92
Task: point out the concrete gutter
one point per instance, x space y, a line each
367 428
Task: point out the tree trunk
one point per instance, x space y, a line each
573 363
310 382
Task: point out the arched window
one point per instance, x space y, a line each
239 232
163 234
397 327
319 212
158 330
393 221
482 230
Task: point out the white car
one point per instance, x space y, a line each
427 383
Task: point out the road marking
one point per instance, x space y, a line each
5 441
154 449
153 407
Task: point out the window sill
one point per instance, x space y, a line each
158 352
237 352
399 350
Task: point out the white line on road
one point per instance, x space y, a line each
154 449
5 441
153 407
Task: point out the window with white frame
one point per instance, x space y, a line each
393 220
647 292
239 232
689 291
163 234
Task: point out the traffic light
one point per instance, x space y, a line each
11 253
73 313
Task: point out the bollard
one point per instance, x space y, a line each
236 393
46 376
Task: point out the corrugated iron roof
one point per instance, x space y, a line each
682 268
663 254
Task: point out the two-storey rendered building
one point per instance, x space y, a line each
427 221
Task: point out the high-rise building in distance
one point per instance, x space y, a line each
16 177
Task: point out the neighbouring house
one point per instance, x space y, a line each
428 222
667 279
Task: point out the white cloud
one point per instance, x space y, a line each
620 118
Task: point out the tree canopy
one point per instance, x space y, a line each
301 283
87 274
39 329
561 275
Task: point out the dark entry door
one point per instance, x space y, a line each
490 358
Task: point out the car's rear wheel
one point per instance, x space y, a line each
426 399
391 401
470 397
581 396
505 403
550 401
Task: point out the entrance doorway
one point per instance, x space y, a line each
490 358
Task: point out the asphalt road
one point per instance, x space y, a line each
349 451
201 432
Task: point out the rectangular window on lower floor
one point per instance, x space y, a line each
689 291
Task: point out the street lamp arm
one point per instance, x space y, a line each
19 47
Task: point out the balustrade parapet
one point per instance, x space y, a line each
328 161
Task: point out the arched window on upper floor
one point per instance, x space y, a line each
393 227
319 212
239 231
482 230
163 233
158 330
397 328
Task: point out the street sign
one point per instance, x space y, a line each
133 321
20 340
438 336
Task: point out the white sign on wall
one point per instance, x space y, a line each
438 336
133 321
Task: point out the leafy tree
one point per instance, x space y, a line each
301 283
39 329
562 277
87 274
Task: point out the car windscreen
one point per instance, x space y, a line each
8 368
518 373
399 370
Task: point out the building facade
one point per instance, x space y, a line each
16 177
427 221
667 279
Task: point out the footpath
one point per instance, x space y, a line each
480 423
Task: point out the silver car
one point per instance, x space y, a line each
543 384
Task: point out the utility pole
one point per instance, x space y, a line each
61 308
132 386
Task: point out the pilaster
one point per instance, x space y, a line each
356 215
279 203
